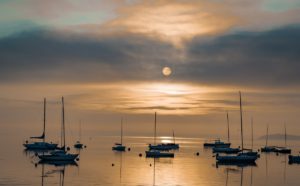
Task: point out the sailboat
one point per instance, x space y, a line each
250 152
294 159
78 144
283 150
226 149
41 145
165 146
218 143
157 153
61 154
120 146
240 157
267 148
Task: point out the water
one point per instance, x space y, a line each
95 166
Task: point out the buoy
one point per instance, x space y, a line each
197 153
112 164
77 159
140 155
68 148
150 164
129 149
85 146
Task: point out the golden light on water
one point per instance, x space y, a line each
166 141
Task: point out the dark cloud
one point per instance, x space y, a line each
268 58
41 55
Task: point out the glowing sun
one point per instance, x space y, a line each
166 71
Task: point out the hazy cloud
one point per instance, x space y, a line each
268 58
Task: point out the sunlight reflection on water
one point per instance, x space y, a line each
95 167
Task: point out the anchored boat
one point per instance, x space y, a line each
120 146
62 154
157 153
165 146
241 157
41 145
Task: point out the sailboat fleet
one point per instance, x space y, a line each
60 154
50 151
242 157
239 155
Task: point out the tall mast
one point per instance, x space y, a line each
155 129
63 124
173 137
121 131
267 135
251 133
284 134
44 129
241 113
228 135
79 130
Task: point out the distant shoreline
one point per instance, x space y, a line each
280 137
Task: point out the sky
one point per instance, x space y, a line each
106 58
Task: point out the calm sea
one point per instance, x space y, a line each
99 165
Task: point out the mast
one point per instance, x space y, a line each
251 133
44 129
228 136
284 134
155 129
121 131
63 125
267 135
241 113
79 130
173 137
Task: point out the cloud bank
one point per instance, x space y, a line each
269 58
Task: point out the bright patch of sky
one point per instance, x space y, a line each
18 16
281 5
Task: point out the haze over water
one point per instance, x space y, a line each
187 60
95 165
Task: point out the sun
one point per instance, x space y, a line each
166 71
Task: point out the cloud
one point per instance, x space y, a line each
174 21
268 58
41 55
252 59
